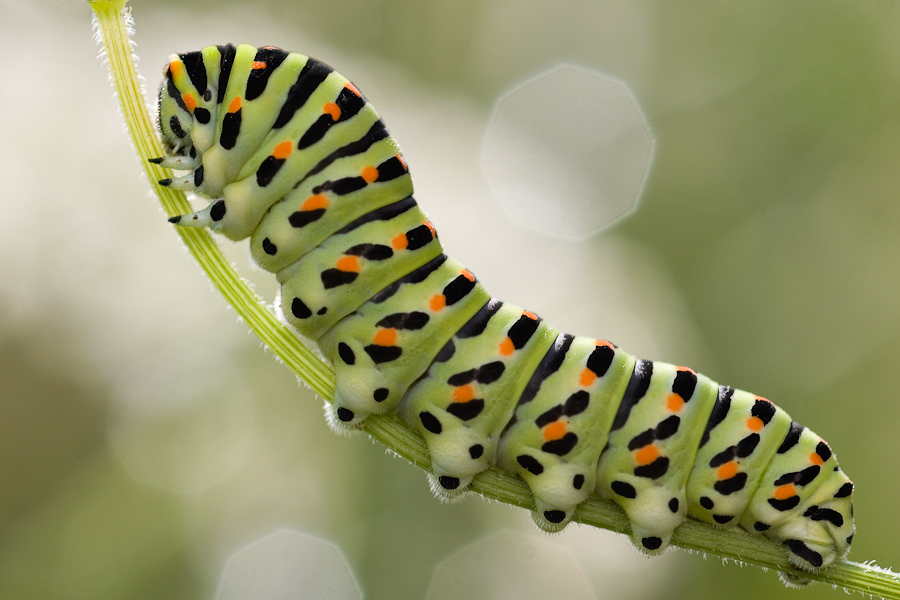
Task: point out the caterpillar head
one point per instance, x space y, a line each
187 105
174 123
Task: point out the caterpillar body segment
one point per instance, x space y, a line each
297 160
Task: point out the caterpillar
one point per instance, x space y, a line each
296 159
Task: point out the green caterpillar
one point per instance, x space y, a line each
296 159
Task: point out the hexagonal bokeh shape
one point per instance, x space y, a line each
510 565
286 566
567 153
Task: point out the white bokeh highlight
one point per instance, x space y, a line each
182 418
510 566
567 153
288 566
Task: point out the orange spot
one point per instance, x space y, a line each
784 492
315 202
464 393
258 64
815 459
686 369
235 105
605 343
348 264
674 402
385 337
402 162
430 228
587 377
467 274
400 242
353 89
646 455
175 67
554 431
370 174
728 470
754 424
438 301
332 109
189 102
529 315
283 150
507 347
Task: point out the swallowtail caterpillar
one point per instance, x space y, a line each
297 160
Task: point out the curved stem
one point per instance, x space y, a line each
113 23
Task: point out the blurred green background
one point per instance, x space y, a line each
146 437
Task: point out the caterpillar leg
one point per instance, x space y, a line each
558 431
382 348
210 216
177 162
185 183
448 488
646 465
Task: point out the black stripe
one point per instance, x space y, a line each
466 411
268 169
417 276
390 169
257 79
411 321
196 69
458 289
350 104
719 411
731 485
476 325
231 128
637 388
370 251
226 62
315 132
549 365
522 330
792 437
202 115
332 278
845 490
562 446
418 237
383 354
377 132
654 470
311 77
600 360
174 92
342 187
385 213
763 410
685 383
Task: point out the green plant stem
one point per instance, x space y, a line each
112 22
